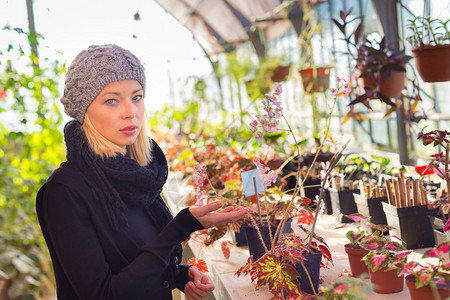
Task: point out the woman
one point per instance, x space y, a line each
109 233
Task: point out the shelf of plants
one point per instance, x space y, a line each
310 211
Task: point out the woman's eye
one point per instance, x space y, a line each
110 101
137 97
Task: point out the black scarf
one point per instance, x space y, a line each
120 181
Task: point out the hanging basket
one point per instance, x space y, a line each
433 62
280 73
315 80
391 88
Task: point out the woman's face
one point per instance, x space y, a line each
118 111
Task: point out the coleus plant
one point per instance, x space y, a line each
384 251
276 268
440 163
430 274
355 236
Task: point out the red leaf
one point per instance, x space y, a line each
424 170
225 249
306 217
199 263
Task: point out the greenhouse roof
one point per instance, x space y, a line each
221 25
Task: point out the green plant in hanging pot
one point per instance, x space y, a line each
379 68
315 78
430 42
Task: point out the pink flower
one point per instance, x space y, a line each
2 93
269 177
447 226
340 289
278 88
199 174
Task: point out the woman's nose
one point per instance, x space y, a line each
128 110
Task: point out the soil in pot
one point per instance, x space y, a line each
386 282
425 292
355 255
312 265
254 243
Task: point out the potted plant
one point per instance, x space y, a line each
379 67
341 197
407 211
439 165
275 268
355 252
314 78
430 42
385 257
427 280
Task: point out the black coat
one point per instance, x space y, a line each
93 261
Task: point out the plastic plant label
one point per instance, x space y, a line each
249 180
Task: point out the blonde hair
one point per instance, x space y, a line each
140 150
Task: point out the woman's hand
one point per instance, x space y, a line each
208 218
198 286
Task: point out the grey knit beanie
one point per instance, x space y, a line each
93 69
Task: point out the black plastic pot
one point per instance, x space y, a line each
327 201
344 202
254 243
311 188
411 224
241 236
312 265
371 208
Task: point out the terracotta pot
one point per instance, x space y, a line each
386 282
355 255
425 292
391 88
315 79
280 73
433 62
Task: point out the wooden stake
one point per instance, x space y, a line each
387 185
401 190
398 201
415 193
408 192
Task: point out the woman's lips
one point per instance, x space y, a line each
130 130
